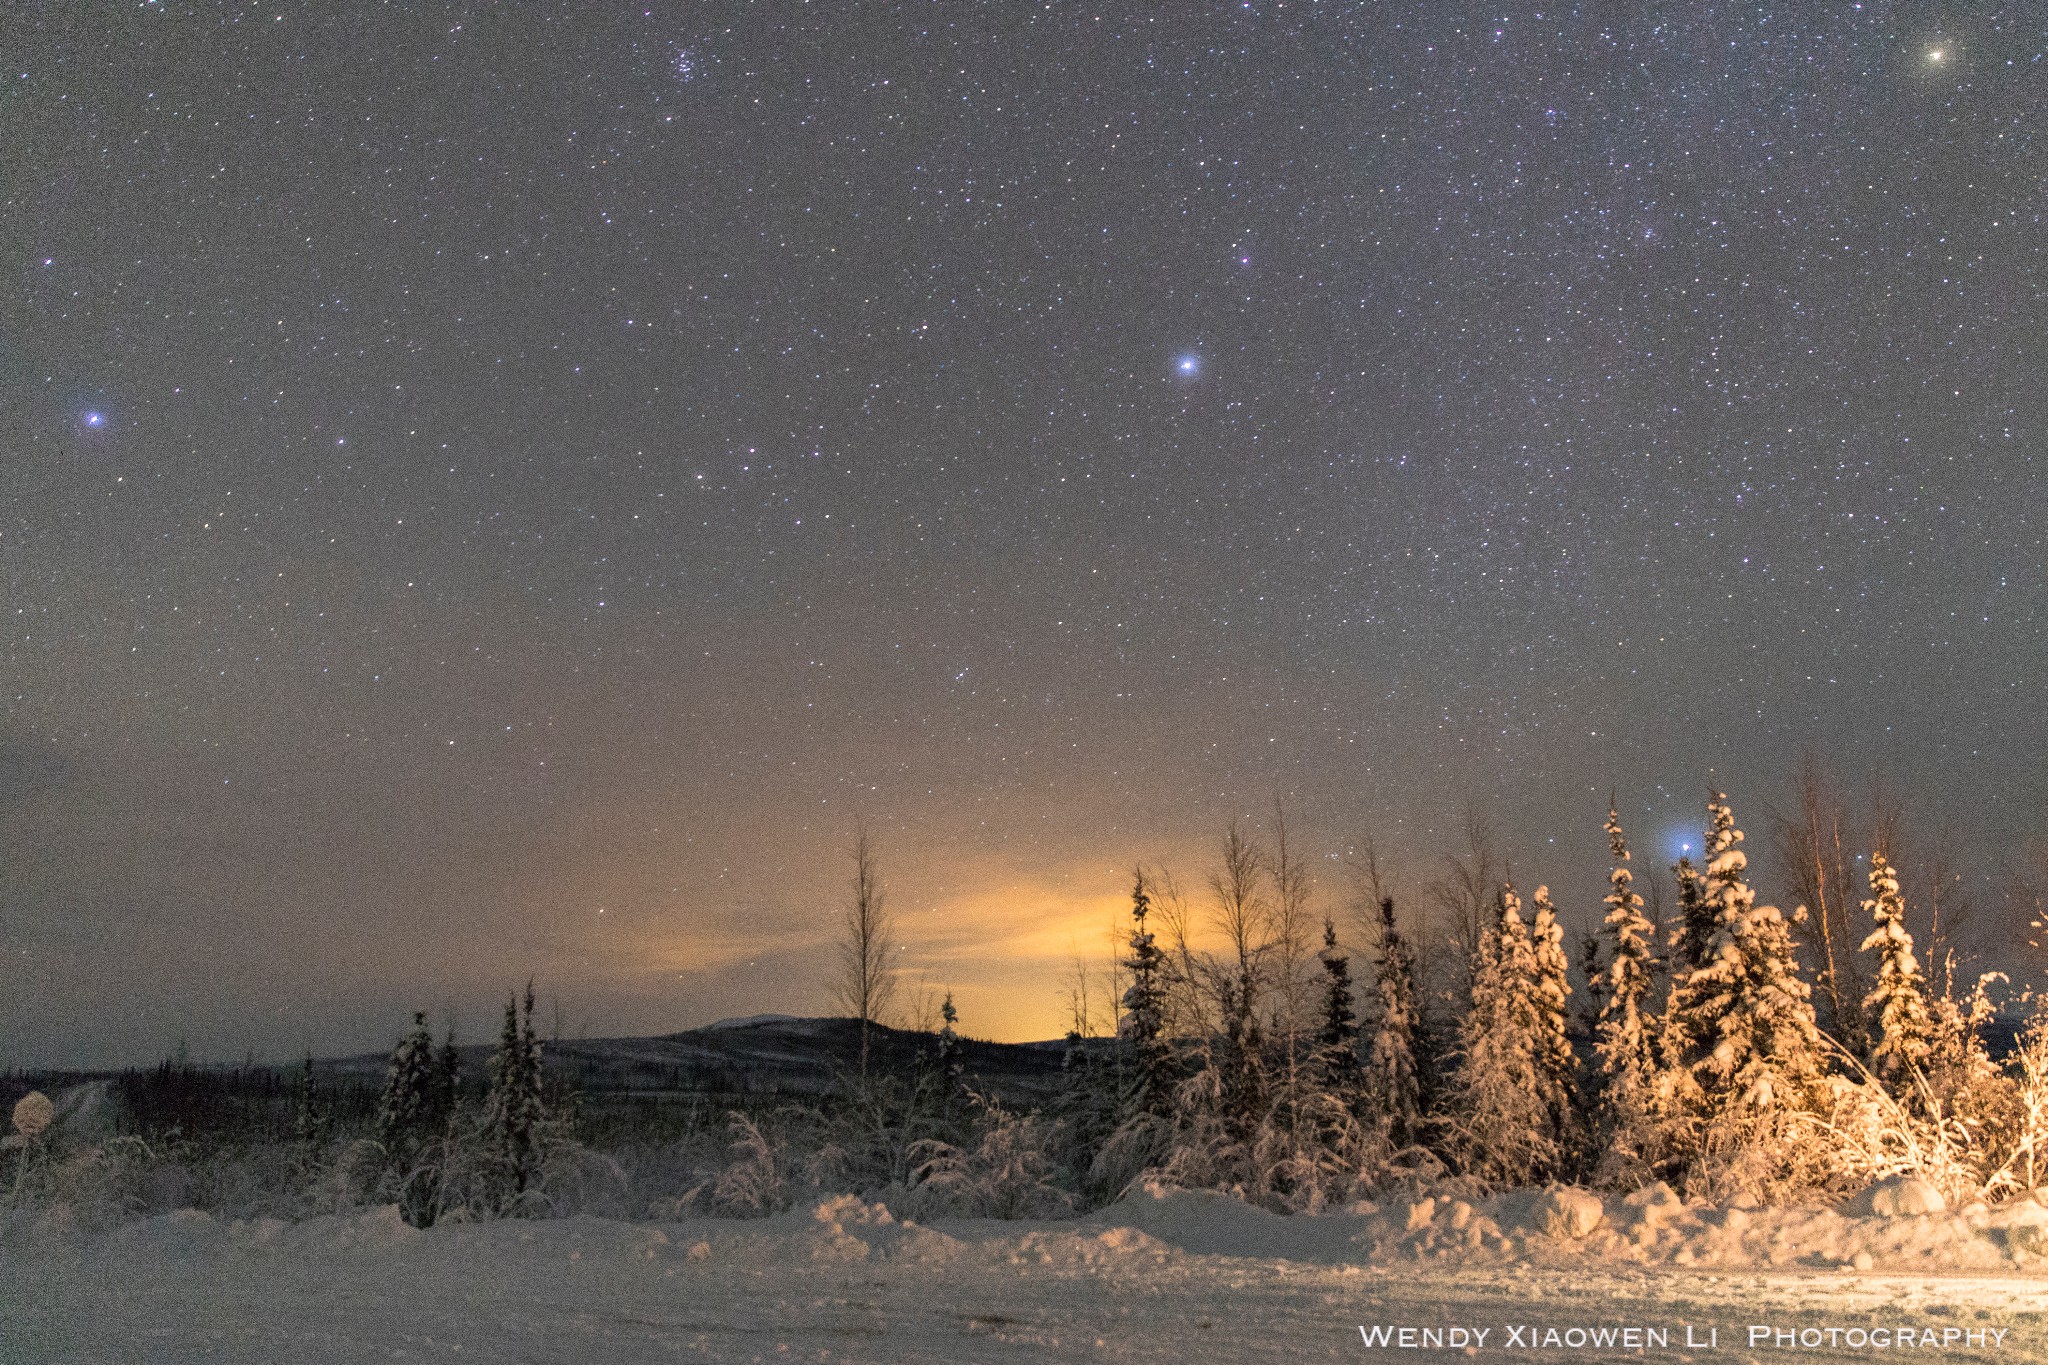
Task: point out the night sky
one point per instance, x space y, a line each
498 490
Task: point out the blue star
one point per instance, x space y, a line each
95 419
1189 365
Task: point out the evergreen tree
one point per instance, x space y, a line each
1337 1038
447 1082
1744 1016
516 1105
405 1114
941 1090
309 1120
1897 1003
1624 1053
1549 997
1594 973
410 1122
1240 1062
1087 1108
1498 1120
1693 932
1143 1026
949 1039
1392 1076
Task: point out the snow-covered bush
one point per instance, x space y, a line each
754 1184
2028 1140
1871 1133
1006 1171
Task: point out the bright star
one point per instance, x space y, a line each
95 419
1188 364
1935 54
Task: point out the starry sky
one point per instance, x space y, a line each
499 490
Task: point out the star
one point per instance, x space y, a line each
95 419
1188 365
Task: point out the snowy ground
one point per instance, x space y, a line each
1180 1279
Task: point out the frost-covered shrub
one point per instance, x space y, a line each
1871 1134
754 1184
2027 1142
101 1184
1007 1171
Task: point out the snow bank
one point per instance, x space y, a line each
1208 1223
1558 1227
1654 1227
336 1291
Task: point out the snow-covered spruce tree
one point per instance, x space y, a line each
938 1111
309 1119
1550 991
1496 1121
1392 1077
447 1083
949 1039
515 1106
1624 1051
1143 1026
1897 1003
1086 1111
1593 971
1692 932
405 1113
1337 1069
1745 1020
306 1155
411 1121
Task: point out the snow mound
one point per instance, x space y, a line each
381 1227
1067 1247
1203 1222
580 1239
1568 1214
846 1228
181 1233
1436 1227
1209 1223
1656 1205
259 1232
1899 1196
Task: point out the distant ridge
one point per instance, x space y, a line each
756 1054
747 1021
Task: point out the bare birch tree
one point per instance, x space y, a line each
1186 1009
1244 918
1293 940
867 974
1468 896
1817 851
1293 932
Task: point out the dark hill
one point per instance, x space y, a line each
767 1055
621 1083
